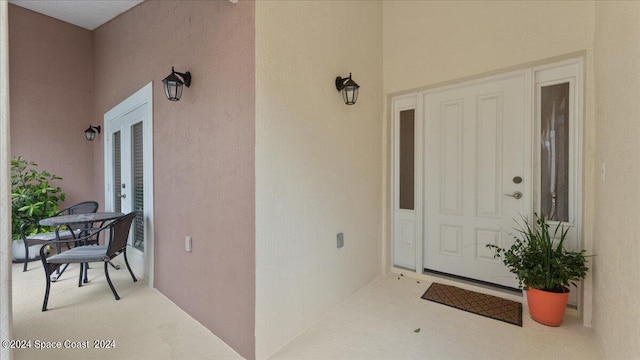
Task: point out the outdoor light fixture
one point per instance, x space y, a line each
90 133
349 89
173 84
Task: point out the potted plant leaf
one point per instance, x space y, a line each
544 268
33 197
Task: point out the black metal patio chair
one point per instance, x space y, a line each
117 235
72 232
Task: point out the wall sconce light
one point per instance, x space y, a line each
173 84
349 89
90 133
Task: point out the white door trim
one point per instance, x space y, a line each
144 98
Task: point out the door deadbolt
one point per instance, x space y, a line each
515 195
517 180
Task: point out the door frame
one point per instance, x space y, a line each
397 105
141 98
585 296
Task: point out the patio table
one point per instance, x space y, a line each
89 218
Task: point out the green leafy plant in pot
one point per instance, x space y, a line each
544 268
33 197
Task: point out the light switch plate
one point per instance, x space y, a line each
340 238
187 244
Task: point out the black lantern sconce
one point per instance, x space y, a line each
349 89
173 84
90 133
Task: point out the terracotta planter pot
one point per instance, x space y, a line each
547 307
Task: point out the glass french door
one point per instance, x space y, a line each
128 173
126 188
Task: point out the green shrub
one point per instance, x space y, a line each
33 197
538 262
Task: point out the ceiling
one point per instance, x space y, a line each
88 14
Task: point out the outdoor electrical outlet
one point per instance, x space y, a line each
340 240
187 244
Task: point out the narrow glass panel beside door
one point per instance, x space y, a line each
117 174
138 186
554 156
407 159
404 203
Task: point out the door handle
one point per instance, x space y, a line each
122 195
515 195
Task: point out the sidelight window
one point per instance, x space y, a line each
407 159
554 152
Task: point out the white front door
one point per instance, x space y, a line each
128 171
477 177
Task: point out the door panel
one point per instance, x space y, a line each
475 145
450 159
489 156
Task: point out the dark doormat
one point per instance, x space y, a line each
473 302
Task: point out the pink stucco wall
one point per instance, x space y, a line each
51 98
204 146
